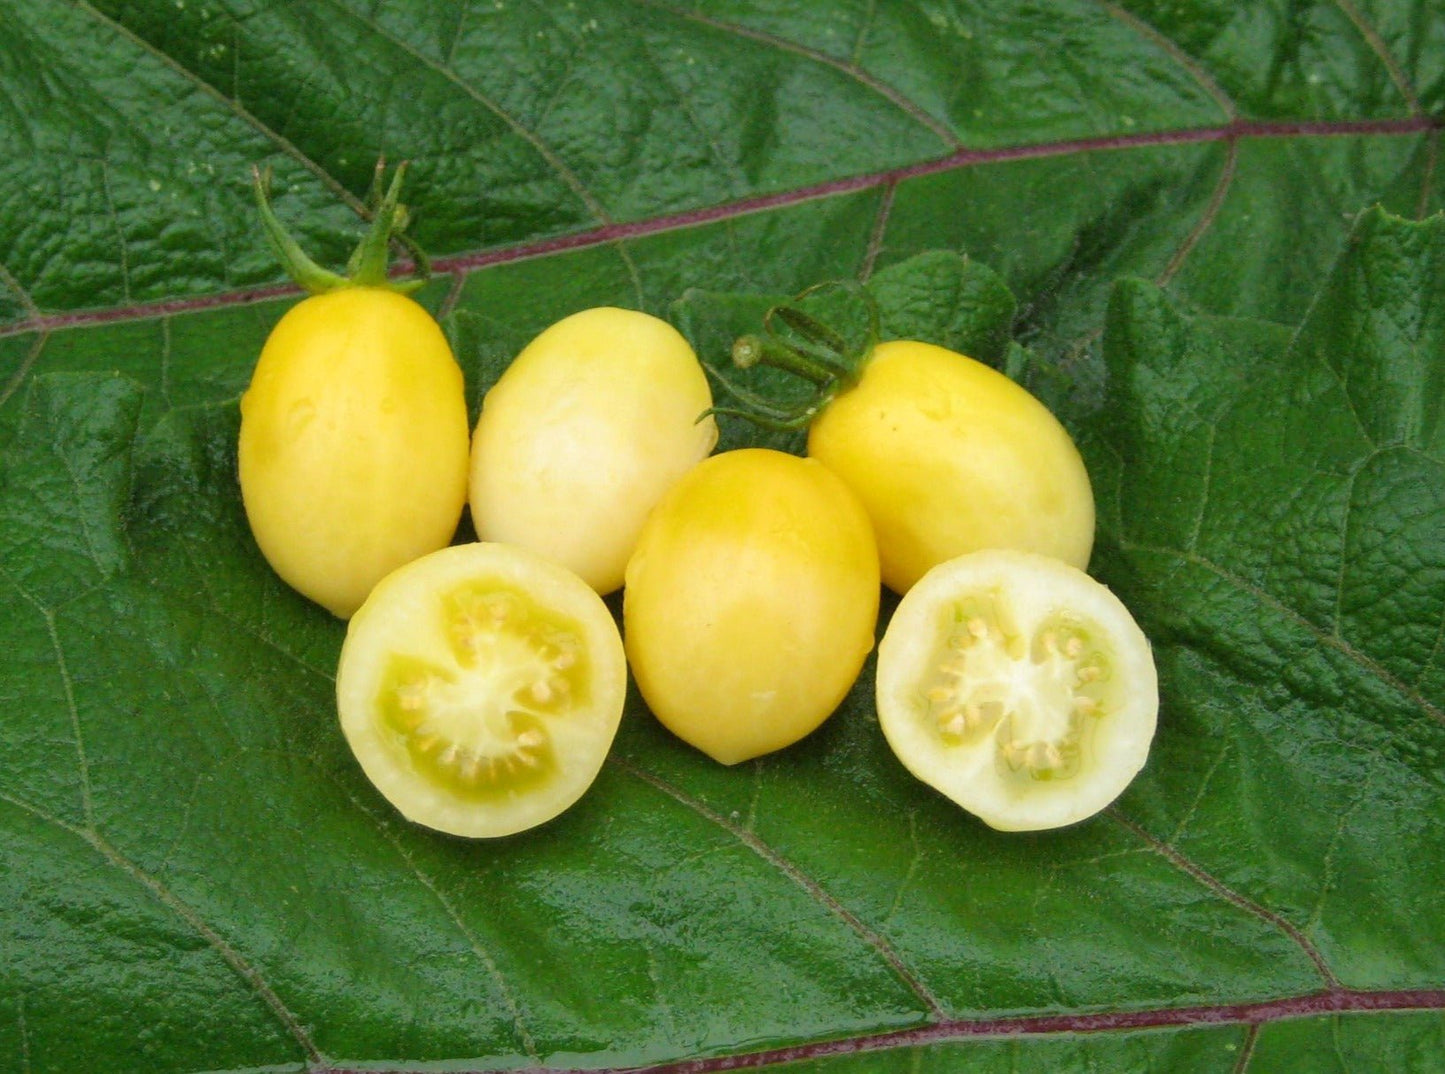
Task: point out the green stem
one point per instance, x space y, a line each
371 255
809 328
796 420
367 266
755 403
306 272
812 350
751 350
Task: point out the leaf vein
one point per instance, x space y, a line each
1371 34
1192 67
1327 865
858 74
1246 1048
922 1040
68 686
721 213
531 137
181 909
1208 880
1206 479
464 8
24 1030
876 236
1433 658
914 861
1427 184
1325 637
213 607
529 1044
787 868
1347 520
26 365
8 279
860 40
736 176
1208 217
1199 795
231 103
123 260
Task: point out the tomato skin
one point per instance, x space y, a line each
950 456
353 443
751 602
591 423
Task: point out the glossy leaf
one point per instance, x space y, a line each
194 875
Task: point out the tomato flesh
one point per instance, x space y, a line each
1019 687
480 688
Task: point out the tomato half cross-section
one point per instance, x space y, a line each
480 688
1018 686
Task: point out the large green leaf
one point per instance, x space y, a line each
195 876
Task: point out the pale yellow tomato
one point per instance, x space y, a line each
353 444
480 688
751 602
950 456
1019 687
591 423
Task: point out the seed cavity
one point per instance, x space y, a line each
486 766
1036 696
546 692
478 723
1040 759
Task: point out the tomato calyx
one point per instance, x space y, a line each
367 266
808 346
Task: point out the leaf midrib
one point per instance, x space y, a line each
616 233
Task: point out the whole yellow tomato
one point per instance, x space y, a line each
353 446
353 443
590 424
950 456
751 602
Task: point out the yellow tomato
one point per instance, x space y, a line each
751 602
950 456
591 423
353 444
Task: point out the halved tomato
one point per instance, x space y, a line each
1018 686
480 687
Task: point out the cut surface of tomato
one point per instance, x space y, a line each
480 688
1018 686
